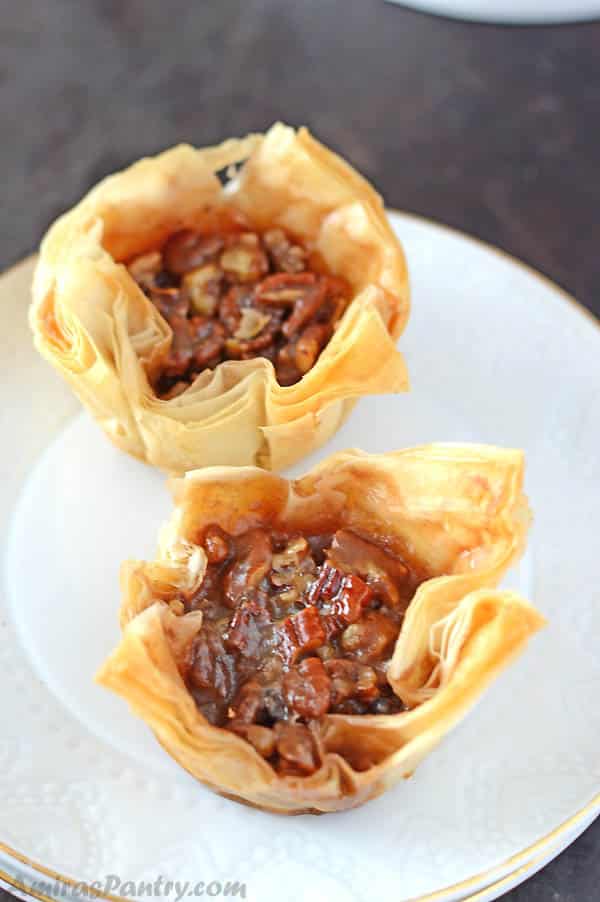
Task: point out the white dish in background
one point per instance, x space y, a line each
510 12
496 354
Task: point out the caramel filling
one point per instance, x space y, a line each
295 626
236 295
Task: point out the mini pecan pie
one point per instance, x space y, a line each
224 305
302 645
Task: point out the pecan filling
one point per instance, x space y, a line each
237 295
295 626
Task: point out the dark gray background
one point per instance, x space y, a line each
492 130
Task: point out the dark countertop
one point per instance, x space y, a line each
491 130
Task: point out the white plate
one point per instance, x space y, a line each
510 12
496 354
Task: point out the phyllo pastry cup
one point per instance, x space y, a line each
224 305
302 645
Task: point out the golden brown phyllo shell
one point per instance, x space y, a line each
455 511
97 327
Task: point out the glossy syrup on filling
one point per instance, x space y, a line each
237 294
295 626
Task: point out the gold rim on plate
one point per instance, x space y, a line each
521 862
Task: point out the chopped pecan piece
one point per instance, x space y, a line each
288 645
286 256
310 344
208 339
384 572
247 703
284 288
370 637
244 259
211 668
253 564
246 628
308 628
307 306
285 365
231 306
301 632
252 322
203 288
246 349
326 586
341 597
169 302
293 569
294 551
181 351
307 688
187 249
296 746
347 605
350 679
